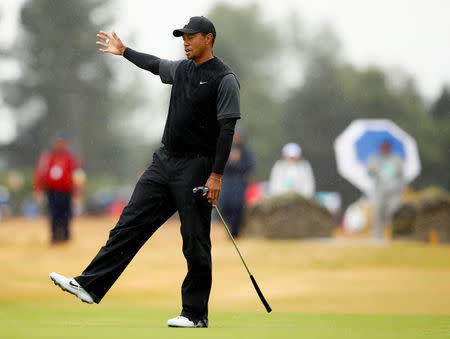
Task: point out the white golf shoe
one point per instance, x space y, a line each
70 285
181 321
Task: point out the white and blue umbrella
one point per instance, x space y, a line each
362 139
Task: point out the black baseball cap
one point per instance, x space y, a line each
196 24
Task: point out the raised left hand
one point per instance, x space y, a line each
112 43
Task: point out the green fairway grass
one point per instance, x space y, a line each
21 321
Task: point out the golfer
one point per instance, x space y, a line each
204 107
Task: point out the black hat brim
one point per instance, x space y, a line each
181 31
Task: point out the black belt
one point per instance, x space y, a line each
185 154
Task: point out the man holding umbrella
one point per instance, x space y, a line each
380 159
386 169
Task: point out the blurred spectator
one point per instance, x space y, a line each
234 182
79 180
386 169
29 208
292 173
100 200
332 201
5 202
254 192
109 200
15 180
357 217
54 175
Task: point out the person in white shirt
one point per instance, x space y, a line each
292 173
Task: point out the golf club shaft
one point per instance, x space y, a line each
261 296
232 239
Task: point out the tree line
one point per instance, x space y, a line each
64 84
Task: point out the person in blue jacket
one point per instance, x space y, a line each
234 182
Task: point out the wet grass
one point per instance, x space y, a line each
21 321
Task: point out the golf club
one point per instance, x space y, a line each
204 189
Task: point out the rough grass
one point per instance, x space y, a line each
317 289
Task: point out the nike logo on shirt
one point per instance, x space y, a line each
203 82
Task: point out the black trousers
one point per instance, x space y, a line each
60 210
164 188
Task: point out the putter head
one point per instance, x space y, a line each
204 189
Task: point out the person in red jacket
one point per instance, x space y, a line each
54 175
